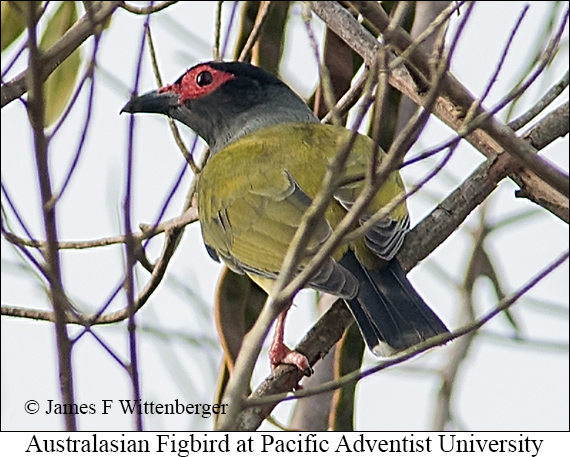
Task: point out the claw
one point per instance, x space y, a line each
280 354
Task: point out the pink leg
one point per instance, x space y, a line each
281 354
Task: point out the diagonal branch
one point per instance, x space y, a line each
546 100
491 139
420 242
433 342
61 50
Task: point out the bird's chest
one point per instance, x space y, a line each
260 174
251 201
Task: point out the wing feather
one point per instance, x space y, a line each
250 216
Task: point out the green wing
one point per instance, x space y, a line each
252 196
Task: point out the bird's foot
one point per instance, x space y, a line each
280 354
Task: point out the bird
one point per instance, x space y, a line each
269 154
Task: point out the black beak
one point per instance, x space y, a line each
153 102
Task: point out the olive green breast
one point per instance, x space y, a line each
245 195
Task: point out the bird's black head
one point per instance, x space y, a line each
222 101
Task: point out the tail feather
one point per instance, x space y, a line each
389 312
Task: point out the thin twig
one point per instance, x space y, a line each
12 62
324 76
131 246
255 32
477 105
433 27
86 124
228 31
546 100
418 349
503 57
218 30
173 127
457 353
144 10
348 100
60 51
342 22
60 304
148 231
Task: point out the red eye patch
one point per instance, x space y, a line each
198 81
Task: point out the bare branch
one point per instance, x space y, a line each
60 51
173 127
144 10
478 265
254 35
60 304
546 100
147 232
218 31
457 99
131 246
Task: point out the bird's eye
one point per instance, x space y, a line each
204 78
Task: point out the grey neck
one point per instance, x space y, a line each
260 117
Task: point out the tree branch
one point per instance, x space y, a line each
546 100
144 10
54 56
492 138
59 301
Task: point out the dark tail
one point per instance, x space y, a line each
390 313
